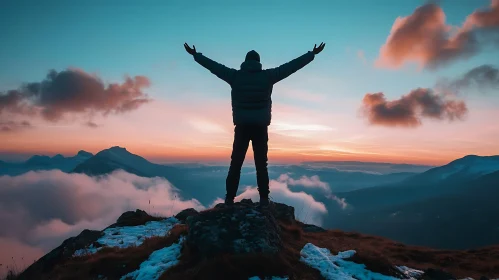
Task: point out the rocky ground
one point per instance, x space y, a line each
248 242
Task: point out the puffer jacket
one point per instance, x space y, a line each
252 87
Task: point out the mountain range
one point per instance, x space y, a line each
115 158
40 162
203 182
451 206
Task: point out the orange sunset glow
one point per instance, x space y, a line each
176 132
232 139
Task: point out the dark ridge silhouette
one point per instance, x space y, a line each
218 260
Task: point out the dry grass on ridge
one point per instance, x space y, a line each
378 254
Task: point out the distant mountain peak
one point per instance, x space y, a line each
58 157
474 159
115 158
470 156
467 158
115 151
38 160
84 153
117 148
479 157
466 168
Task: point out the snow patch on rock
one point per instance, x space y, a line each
336 267
127 236
157 263
410 272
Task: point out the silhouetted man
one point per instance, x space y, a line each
251 111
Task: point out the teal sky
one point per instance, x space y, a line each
114 38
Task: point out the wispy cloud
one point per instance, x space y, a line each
12 126
206 126
483 78
313 213
282 126
361 56
298 129
302 95
312 182
336 148
91 124
307 209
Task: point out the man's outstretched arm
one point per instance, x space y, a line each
279 73
223 72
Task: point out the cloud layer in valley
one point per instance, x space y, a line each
426 39
44 208
70 92
313 182
307 208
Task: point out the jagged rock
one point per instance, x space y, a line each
242 228
280 211
436 274
61 253
284 212
246 201
131 218
184 214
312 228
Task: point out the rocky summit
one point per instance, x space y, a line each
245 241
241 228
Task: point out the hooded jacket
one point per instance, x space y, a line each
252 87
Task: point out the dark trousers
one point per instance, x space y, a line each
258 134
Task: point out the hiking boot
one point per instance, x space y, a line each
229 201
264 202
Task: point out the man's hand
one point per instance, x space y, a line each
189 50
319 49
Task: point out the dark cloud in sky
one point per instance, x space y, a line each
484 18
483 78
10 126
91 124
74 91
10 100
410 109
424 37
13 101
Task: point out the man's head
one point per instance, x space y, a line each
252 55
